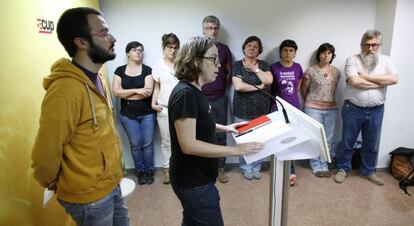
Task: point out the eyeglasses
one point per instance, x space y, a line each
214 59
374 45
103 34
137 50
212 28
170 47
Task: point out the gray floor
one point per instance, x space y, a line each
313 201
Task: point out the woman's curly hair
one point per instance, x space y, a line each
188 62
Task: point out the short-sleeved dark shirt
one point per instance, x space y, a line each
186 101
250 105
134 108
286 83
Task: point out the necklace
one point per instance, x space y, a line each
324 71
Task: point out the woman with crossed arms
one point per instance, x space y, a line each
249 102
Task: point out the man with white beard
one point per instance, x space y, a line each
368 75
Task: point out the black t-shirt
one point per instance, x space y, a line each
186 101
134 108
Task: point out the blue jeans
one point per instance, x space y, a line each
201 205
367 120
252 167
327 118
108 211
140 133
219 107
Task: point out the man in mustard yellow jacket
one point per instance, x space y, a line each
77 151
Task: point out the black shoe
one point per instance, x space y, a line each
332 165
150 177
142 178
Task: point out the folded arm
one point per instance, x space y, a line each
241 86
265 77
381 80
132 94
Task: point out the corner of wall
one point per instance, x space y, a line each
384 22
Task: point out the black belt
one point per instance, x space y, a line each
365 108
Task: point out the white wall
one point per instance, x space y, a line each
384 21
309 23
398 124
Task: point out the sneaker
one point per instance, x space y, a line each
323 174
248 175
222 177
292 180
319 173
150 176
374 179
165 176
142 178
340 176
257 175
327 174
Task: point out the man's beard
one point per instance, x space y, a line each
99 55
369 61
212 38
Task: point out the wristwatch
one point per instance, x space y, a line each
257 70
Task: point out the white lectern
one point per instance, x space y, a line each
302 138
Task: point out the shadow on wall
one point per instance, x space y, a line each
272 56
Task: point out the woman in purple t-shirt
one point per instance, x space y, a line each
287 78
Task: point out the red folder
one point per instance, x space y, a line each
255 123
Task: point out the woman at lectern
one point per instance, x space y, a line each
248 102
194 158
318 91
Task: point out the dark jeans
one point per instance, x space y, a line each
201 205
368 120
219 107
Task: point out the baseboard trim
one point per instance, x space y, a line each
265 167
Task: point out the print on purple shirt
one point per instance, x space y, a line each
286 82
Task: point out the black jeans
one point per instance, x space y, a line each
219 107
201 205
